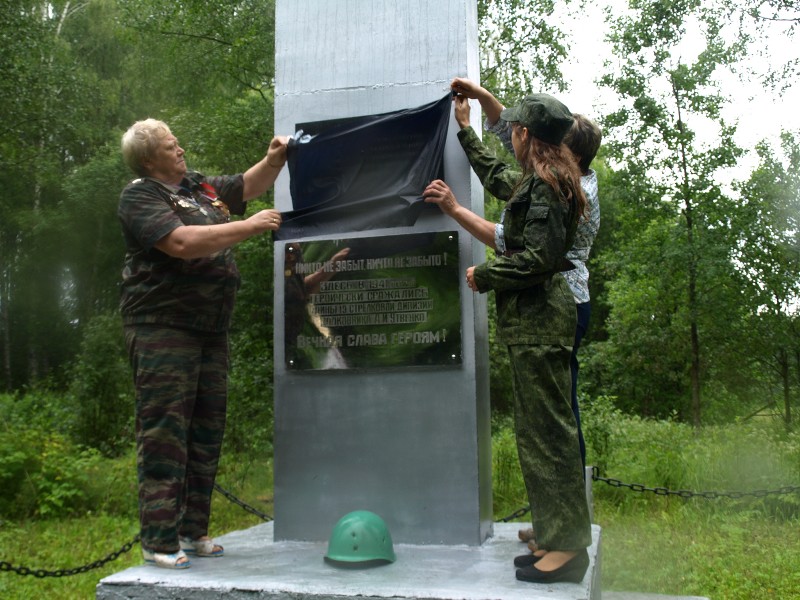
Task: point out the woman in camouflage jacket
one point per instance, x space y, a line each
536 317
179 283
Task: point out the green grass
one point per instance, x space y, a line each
668 547
63 544
663 546
73 542
690 548
725 548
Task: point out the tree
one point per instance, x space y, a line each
192 51
667 97
768 252
79 75
40 94
521 49
778 19
91 246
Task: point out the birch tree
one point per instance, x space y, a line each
667 55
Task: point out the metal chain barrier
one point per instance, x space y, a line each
244 505
42 573
635 487
662 491
516 514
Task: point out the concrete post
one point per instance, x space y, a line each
412 445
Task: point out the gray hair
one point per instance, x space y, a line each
140 142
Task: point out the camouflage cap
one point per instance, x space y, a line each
544 116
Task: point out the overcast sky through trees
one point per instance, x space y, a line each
759 112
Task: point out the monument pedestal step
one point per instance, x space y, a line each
256 566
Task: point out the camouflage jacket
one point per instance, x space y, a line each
534 302
588 226
198 293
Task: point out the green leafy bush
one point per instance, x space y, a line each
101 393
17 460
729 459
61 484
736 463
113 487
43 474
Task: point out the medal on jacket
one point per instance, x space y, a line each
211 194
187 202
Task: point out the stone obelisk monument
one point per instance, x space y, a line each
408 443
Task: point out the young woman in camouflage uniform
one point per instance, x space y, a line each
179 284
536 316
583 140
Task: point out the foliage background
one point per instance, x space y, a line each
733 548
695 273
690 373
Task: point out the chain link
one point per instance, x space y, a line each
636 487
516 514
244 505
42 573
686 494
662 491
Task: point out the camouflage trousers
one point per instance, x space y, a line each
181 396
548 448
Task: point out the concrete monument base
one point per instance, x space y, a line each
257 566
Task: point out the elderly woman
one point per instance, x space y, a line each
536 316
179 284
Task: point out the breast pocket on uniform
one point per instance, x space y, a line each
538 212
191 213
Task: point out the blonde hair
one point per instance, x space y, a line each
140 142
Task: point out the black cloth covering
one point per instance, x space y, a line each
365 172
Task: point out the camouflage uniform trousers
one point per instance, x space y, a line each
181 396
547 444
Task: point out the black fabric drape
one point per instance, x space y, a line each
364 173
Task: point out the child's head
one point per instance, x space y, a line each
583 139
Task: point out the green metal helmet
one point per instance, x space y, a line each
360 537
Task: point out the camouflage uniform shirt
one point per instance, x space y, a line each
588 226
534 302
197 293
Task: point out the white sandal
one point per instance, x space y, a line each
166 561
205 548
